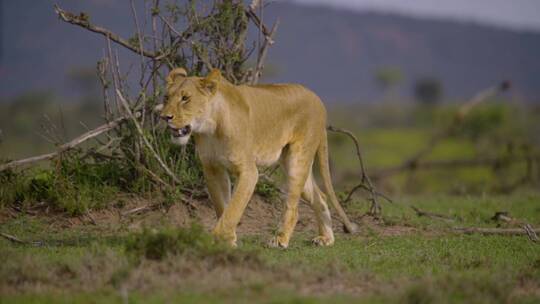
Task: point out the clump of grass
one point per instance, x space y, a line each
193 242
73 185
268 190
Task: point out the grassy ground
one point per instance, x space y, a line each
404 258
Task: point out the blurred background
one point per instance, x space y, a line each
396 73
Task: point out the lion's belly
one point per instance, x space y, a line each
266 159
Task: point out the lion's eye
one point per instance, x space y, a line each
185 99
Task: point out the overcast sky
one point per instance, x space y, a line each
520 14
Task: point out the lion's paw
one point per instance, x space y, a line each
322 241
276 242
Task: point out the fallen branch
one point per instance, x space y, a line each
494 231
140 209
432 215
12 238
65 147
531 233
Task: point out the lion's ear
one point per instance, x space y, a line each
176 74
211 81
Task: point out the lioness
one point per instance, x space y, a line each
237 128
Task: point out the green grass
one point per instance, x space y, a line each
415 256
430 264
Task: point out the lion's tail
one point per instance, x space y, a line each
322 155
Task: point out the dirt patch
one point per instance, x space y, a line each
133 213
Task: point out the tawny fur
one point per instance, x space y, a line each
239 128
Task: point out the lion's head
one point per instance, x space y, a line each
187 102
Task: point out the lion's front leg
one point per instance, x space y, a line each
219 186
226 225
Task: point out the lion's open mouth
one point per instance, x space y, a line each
185 131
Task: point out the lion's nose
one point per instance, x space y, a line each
167 117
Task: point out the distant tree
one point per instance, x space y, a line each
388 78
428 90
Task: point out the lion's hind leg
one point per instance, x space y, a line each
297 162
315 197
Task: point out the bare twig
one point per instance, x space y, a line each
252 15
102 74
432 215
262 53
140 41
139 209
494 231
365 182
12 238
531 233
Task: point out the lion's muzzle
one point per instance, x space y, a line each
182 132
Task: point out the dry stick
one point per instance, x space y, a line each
115 77
494 231
250 12
412 162
375 209
366 188
182 36
262 54
143 70
12 238
140 40
138 209
65 147
155 64
432 215
82 21
102 74
531 233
